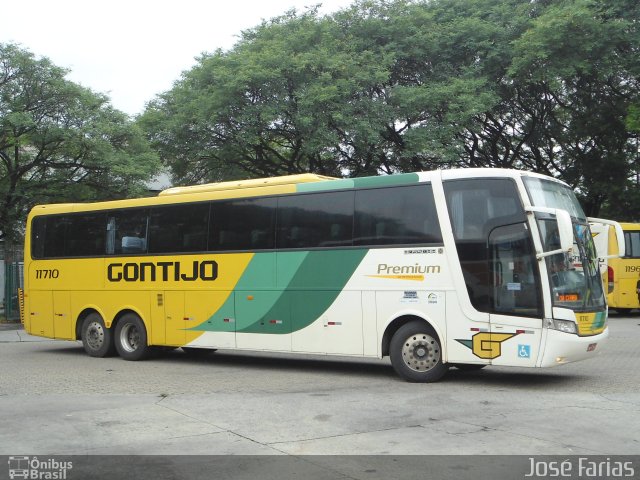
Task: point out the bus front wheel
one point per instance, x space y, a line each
97 339
416 353
131 338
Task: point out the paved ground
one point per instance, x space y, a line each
56 400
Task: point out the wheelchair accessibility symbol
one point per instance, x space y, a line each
524 351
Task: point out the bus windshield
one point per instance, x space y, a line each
575 279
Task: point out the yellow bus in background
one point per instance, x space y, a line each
462 268
620 269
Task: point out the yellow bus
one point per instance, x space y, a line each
620 266
462 268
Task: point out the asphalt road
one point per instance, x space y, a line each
55 400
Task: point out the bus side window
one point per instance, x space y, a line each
85 235
68 236
315 220
178 228
396 216
38 238
258 238
337 234
133 244
127 232
242 224
111 236
632 244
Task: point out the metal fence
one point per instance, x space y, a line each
11 279
14 279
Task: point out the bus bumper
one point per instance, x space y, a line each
561 348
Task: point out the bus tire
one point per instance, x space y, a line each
131 338
416 353
97 339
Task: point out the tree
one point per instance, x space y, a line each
575 72
61 142
392 86
333 95
633 118
263 108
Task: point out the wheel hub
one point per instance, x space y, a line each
130 338
95 336
421 352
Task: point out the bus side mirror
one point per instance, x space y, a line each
619 236
564 226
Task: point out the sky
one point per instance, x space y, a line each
132 50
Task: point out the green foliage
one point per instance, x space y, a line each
579 56
60 142
633 118
391 86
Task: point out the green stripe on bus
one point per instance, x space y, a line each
259 276
599 321
308 282
386 180
361 182
315 286
342 184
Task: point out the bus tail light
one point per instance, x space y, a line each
610 278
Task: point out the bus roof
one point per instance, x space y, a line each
242 184
630 226
288 184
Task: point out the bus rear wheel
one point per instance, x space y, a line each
97 339
416 353
131 338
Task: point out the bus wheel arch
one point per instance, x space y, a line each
131 336
415 349
393 326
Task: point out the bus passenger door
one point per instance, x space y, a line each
516 297
63 327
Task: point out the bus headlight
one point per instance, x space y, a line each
566 326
